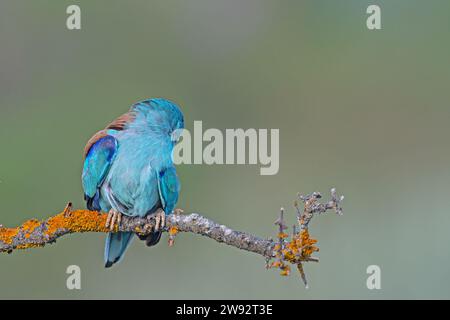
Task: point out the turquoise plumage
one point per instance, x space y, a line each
128 169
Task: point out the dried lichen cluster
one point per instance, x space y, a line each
300 247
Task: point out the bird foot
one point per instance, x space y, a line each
114 217
160 220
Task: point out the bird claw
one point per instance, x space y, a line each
114 217
160 220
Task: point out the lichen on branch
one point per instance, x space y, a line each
300 247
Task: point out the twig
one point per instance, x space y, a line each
300 247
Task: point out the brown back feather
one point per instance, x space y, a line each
118 124
121 122
94 139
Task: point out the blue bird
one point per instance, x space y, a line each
128 170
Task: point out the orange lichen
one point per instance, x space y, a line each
301 245
285 270
66 222
29 245
276 264
172 233
295 251
282 235
77 221
30 225
173 230
7 234
307 244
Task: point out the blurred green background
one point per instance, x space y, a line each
364 111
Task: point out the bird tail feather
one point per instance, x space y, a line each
115 247
151 239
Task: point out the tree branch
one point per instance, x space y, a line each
34 233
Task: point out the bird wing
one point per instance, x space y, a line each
169 188
100 154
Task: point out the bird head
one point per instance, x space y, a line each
160 117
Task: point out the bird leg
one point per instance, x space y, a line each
160 219
114 217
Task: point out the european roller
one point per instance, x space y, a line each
128 170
